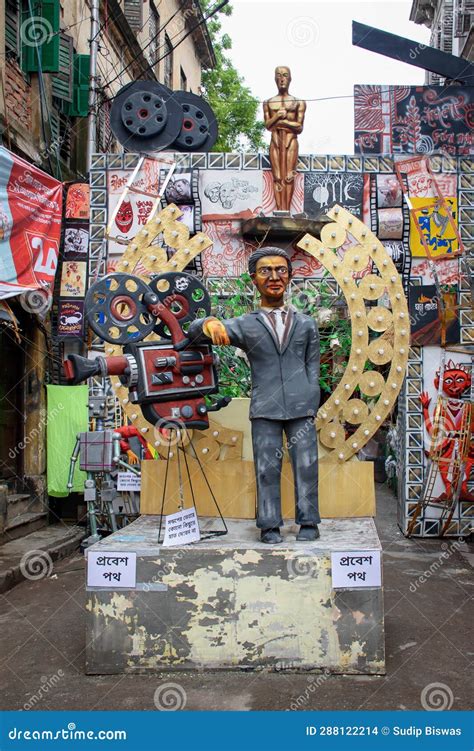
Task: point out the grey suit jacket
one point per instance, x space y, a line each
285 383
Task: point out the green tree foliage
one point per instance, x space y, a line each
235 107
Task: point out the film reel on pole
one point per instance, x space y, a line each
184 295
145 116
199 127
116 309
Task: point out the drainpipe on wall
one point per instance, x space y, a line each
92 118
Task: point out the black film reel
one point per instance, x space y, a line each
116 310
145 116
199 127
184 295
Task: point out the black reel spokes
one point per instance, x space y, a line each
199 127
184 295
116 309
147 116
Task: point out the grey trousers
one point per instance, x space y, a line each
267 443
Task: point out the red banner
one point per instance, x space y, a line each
30 226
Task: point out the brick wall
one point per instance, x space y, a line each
17 95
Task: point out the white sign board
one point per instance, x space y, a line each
111 570
127 481
356 569
182 528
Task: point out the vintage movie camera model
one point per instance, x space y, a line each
168 378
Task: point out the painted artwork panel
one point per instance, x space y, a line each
323 190
73 279
398 253
76 241
230 194
389 191
455 387
447 271
390 224
269 203
426 317
437 230
135 209
229 253
422 184
413 119
77 201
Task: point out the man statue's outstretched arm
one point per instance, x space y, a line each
219 332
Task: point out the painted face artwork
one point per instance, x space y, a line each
124 218
456 381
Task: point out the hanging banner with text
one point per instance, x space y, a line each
30 226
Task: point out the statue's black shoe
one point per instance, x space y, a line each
307 534
271 536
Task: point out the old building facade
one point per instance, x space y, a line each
45 53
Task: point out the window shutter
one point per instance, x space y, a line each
62 82
45 27
79 106
133 10
11 26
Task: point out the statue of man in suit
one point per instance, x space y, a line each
282 346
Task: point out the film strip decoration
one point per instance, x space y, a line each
183 190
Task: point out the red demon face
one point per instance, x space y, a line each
456 381
124 218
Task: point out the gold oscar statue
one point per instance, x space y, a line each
284 117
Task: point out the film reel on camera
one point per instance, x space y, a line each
121 308
184 295
116 309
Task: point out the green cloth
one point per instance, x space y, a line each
68 415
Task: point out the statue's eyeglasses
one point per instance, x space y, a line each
267 270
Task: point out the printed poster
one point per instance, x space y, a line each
76 241
78 201
73 279
70 318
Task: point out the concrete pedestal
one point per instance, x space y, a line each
233 602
